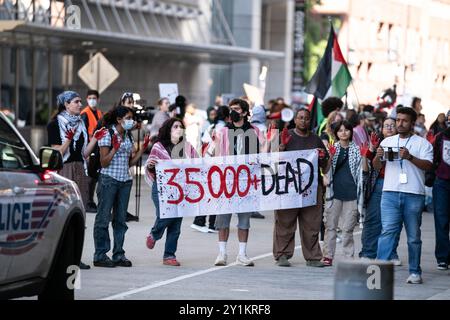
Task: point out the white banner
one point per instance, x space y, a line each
231 184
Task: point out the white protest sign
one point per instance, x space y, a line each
254 94
168 90
231 184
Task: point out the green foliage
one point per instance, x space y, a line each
316 35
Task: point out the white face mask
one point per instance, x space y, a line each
92 103
128 124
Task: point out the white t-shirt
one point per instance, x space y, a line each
418 147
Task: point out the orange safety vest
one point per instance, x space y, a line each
92 120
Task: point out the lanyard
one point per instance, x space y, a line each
398 146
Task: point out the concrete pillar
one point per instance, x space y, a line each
364 280
279 37
246 30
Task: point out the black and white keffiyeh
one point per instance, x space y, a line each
68 122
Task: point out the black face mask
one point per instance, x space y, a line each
235 116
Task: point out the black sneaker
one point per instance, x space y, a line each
106 263
257 215
442 266
123 263
91 207
84 266
130 217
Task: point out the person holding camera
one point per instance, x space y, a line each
407 157
117 155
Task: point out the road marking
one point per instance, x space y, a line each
187 276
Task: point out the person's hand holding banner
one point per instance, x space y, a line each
322 154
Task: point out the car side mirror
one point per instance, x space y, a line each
50 159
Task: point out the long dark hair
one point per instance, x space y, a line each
110 118
164 134
435 127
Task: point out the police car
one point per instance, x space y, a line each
42 221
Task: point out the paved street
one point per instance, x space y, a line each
198 279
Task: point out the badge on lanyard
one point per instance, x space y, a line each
403 178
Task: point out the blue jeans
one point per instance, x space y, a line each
173 226
398 208
111 193
372 225
441 203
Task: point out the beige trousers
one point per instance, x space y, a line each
349 212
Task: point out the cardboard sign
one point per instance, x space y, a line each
168 90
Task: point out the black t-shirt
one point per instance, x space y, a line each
344 186
54 138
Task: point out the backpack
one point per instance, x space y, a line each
94 165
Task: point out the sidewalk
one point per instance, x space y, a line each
199 279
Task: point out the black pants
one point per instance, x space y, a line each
92 184
201 221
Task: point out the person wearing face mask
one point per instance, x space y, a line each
236 138
117 155
170 138
67 133
91 116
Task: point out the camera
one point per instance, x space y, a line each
143 113
390 155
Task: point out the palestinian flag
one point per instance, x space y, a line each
316 114
332 76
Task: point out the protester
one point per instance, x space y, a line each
192 122
67 133
223 117
441 200
327 136
419 127
237 138
373 188
366 126
90 116
403 195
416 104
211 116
437 127
342 192
170 137
117 155
309 218
161 116
329 105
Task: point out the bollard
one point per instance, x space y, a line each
364 280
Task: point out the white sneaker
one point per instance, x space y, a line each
414 279
396 262
212 230
221 260
245 261
338 239
199 228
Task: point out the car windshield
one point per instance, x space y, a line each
13 154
